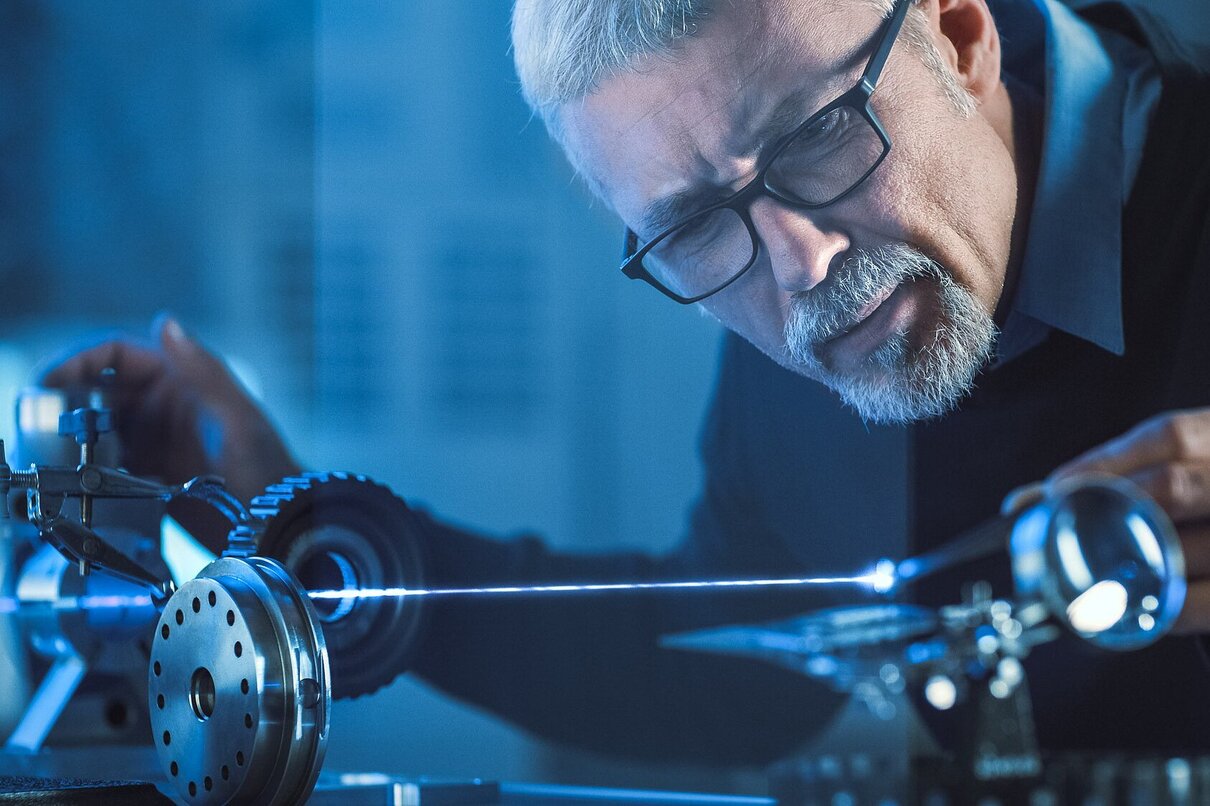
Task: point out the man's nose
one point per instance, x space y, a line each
801 249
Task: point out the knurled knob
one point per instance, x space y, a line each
85 425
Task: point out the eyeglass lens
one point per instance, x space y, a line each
823 161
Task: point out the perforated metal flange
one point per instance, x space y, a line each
239 689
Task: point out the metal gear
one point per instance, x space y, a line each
340 531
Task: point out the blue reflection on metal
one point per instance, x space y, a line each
11 604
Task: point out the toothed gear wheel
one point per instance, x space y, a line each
339 531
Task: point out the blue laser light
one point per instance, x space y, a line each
881 579
871 580
884 576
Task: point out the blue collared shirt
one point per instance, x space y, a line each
1093 92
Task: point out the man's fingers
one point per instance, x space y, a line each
1023 497
208 373
1195 615
1179 436
1195 541
1181 488
134 364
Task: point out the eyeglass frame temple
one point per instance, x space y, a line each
890 32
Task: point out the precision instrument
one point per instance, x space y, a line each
1093 555
321 594
239 687
81 514
343 531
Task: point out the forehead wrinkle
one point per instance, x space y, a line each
753 50
830 74
737 140
738 107
729 102
686 138
738 64
694 136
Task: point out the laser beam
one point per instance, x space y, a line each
876 580
881 579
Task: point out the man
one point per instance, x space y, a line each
993 250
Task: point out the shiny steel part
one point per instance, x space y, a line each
337 531
239 690
1104 559
95 623
100 617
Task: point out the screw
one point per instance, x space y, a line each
90 479
309 690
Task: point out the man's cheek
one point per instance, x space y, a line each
763 328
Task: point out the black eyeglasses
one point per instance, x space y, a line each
817 164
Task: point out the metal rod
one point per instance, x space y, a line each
86 455
47 704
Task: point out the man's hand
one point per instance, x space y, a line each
180 412
1168 456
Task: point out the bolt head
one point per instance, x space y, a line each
309 691
90 479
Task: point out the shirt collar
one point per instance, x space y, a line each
1070 275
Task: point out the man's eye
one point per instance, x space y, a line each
696 230
820 130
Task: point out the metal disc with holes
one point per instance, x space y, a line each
240 693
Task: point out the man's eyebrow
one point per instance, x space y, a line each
794 109
666 211
790 112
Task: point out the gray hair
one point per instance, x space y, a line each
564 49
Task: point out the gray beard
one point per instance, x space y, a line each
898 382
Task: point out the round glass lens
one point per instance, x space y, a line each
1105 559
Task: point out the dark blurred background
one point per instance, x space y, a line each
351 202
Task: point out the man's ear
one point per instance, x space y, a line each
965 33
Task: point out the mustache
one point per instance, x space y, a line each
902 381
837 304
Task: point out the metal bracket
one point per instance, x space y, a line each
83 546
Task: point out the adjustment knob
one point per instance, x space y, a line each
85 425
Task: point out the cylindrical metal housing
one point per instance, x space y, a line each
240 691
